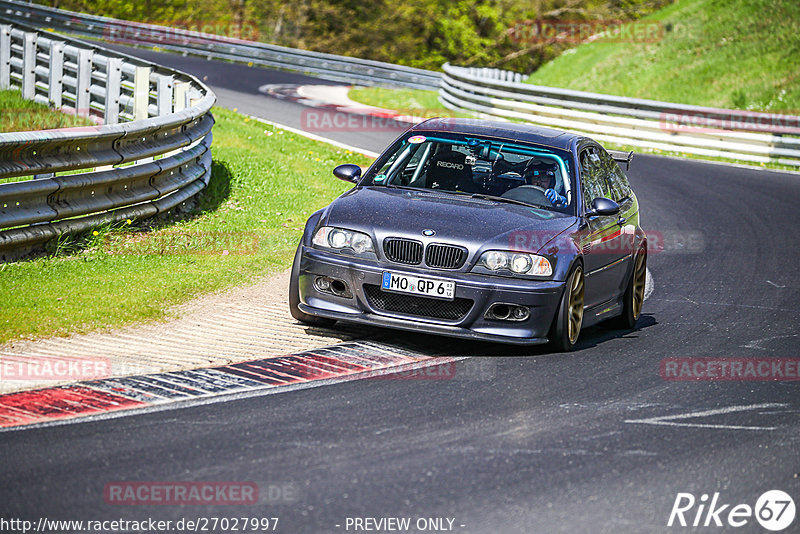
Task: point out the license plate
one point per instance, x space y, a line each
418 286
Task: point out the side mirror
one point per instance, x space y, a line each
603 206
348 172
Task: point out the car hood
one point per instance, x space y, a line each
477 224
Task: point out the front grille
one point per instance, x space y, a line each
445 256
403 251
452 310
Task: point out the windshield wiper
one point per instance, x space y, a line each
509 200
398 186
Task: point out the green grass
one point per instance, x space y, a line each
20 115
265 182
416 102
741 54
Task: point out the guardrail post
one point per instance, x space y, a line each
113 88
29 65
83 87
5 56
164 96
194 97
181 96
141 93
55 85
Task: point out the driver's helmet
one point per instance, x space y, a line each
544 178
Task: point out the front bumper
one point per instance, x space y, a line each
540 297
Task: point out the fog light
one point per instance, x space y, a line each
507 312
520 313
322 283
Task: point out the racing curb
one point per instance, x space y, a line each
121 395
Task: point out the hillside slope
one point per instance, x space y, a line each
742 54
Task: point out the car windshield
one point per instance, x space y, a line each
477 166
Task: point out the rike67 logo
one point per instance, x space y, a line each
774 510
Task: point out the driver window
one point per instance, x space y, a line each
617 181
592 181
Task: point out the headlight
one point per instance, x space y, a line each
517 263
495 260
340 239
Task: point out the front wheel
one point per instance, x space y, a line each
294 297
633 298
569 318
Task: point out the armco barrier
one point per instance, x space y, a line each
327 66
708 132
72 179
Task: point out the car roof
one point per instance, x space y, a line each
528 133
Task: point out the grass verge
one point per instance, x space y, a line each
416 102
739 54
20 115
264 184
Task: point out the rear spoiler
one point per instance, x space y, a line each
622 157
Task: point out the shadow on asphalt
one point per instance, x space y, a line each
435 345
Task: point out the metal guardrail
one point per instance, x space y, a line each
152 153
327 66
707 132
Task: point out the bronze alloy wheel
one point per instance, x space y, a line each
575 306
633 298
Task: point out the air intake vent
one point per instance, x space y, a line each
445 256
403 251
450 310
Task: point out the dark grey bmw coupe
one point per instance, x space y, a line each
494 231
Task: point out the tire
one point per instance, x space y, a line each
568 321
294 297
633 298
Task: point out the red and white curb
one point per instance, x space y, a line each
334 98
118 396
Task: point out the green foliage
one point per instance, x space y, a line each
419 33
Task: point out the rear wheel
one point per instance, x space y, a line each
569 319
633 298
294 297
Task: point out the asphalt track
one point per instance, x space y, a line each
517 441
